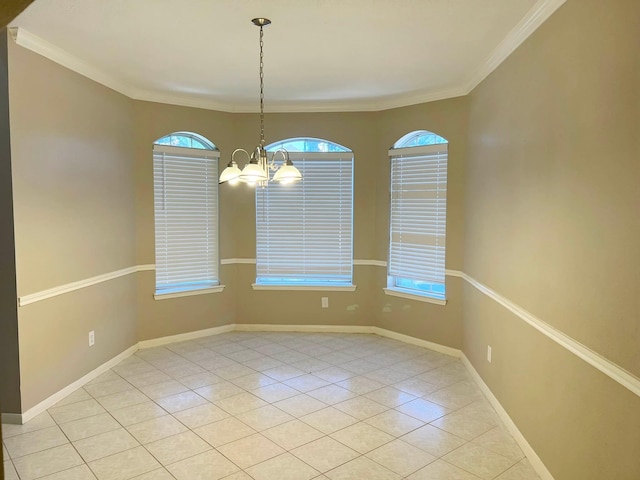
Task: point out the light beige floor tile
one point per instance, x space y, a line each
305 383
238 476
183 370
218 391
181 401
282 467
250 450
262 364
209 465
499 441
275 392
329 420
5 454
124 465
284 372
300 405
81 472
33 442
156 429
463 425
324 454
362 437
240 403
230 372
47 462
138 413
133 369
177 447
441 470
87 427
400 457
360 408
442 377
423 410
149 378
433 440
394 423
200 380
362 468
331 394
107 388
164 389
452 399
360 385
520 471
482 411
479 461
264 417
334 374
80 395
201 415
38 422
244 355
160 474
416 387
224 431
9 471
76 411
390 396
105 377
292 434
125 399
105 444
253 381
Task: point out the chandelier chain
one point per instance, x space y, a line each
262 142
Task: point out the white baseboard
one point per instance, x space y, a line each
69 389
527 449
454 352
183 337
258 327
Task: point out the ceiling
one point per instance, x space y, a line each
320 55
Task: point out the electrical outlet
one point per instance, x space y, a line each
325 302
92 338
489 353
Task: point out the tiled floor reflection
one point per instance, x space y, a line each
271 406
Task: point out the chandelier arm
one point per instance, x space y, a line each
240 150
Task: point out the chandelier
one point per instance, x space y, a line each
256 172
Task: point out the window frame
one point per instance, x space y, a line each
436 291
161 227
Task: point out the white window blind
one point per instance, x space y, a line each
186 218
304 231
418 220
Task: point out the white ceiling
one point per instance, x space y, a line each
320 55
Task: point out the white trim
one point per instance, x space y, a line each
183 337
186 151
147 267
69 389
454 352
310 288
232 261
258 327
535 17
372 263
413 296
70 287
188 293
527 449
606 366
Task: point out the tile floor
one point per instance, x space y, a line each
271 406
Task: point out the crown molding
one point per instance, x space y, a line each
535 17
542 10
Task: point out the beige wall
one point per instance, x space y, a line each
552 224
9 353
72 153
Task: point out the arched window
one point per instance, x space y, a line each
185 181
304 231
186 140
418 217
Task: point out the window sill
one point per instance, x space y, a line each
413 296
317 288
188 293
